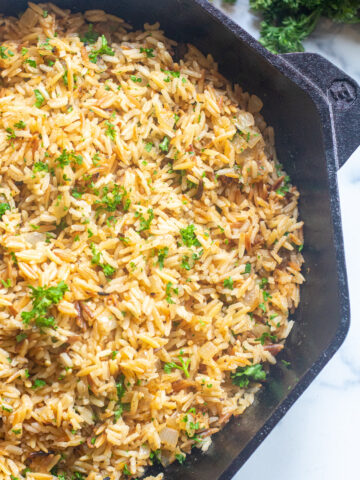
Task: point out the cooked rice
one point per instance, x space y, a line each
150 186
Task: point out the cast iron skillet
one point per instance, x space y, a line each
315 110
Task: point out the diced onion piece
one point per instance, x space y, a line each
169 437
208 350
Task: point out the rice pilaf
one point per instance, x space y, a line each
150 247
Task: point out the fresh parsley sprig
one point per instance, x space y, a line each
287 23
43 299
244 375
184 365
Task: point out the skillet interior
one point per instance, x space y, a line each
321 320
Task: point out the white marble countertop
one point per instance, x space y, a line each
317 439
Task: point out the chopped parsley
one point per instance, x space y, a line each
285 186
169 290
30 62
188 236
4 206
162 254
229 283
262 306
172 73
20 125
145 222
264 282
66 80
110 130
76 194
180 458
7 283
96 159
148 51
266 295
113 199
11 133
38 383
103 50
266 335
39 98
43 299
96 260
148 146
108 270
164 145
285 363
5 52
247 268
120 390
184 365
244 375
155 456
90 36
20 337
6 409
40 167
135 79
68 157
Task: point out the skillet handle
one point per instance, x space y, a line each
342 95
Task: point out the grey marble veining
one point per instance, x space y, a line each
318 438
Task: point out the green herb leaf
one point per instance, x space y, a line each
110 130
135 79
39 98
40 167
148 51
20 125
103 50
112 200
108 270
30 62
162 254
228 283
43 299
90 36
38 383
244 375
184 365
145 223
20 337
188 236
148 146
165 144
69 157
6 409
180 458
76 194
3 208
266 335
11 133
247 268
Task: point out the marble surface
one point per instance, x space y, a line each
317 439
